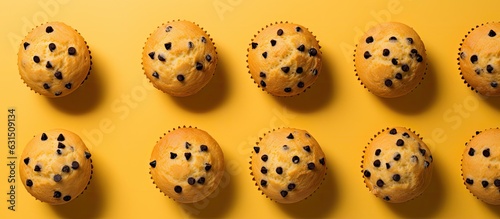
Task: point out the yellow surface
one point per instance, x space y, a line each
120 115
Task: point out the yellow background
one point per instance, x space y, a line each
120 115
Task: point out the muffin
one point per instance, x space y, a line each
284 59
179 58
187 164
397 165
479 59
55 166
480 169
288 165
390 60
54 59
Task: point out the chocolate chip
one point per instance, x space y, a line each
58 151
190 44
285 69
168 46
376 163
57 178
367 173
393 131
68 86
396 177
494 84
153 163
263 83
180 77
469 181
486 152
168 28
263 183
315 72
203 148
173 155
426 164
254 45
66 169
208 58
422 151
37 168
155 74
152 55
380 183
52 47
369 39
406 135
299 70
201 180
290 136
295 159
87 155
187 145
26 44
203 39
263 170
307 148
489 68
377 152
44 137
264 54
497 182
57 194
387 198
262 75
75 165
399 76
161 58
301 48
29 183
322 161
291 186
26 160
471 151
473 59
264 158
283 193
288 89
71 51
208 167
49 29
298 29
300 84
394 61
484 183
46 86
191 181
187 155
36 59
386 52
400 142
397 157
273 42
280 32
256 149
414 158
313 52
311 166
387 165
405 68
67 198
58 75
178 189
388 82
410 40
279 170
419 58
61 145
414 51
199 66
492 33
61 137
285 147
393 38
367 55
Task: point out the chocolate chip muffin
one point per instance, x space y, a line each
187 164
179 58
397 165
284 59
56 167
479 59
480 169
288 165
390 60
54 59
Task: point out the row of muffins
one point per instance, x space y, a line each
284 59
287 165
